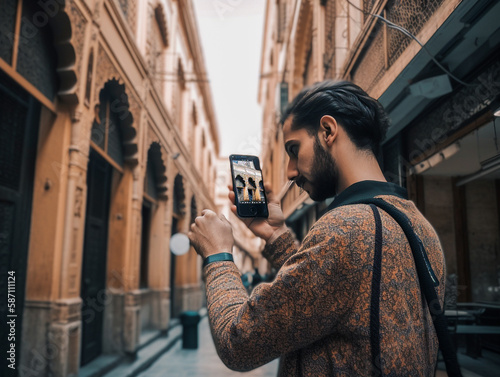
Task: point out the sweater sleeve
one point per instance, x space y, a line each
280 250
305 302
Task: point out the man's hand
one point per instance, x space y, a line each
211 234
266 228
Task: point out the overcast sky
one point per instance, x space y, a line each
231 36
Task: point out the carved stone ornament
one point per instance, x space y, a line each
68 38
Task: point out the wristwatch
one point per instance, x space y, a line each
221 257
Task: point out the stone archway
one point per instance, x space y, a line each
109 215
119 106
179 196
158 169
161 18
61 24
194 209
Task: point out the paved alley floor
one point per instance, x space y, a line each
203 362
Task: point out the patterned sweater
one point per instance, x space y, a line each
315 314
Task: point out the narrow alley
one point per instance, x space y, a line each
202 362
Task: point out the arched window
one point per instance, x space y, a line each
194 209
194 115
105 129
155 178
112 127
31 52
192 129
90 73
240 188
261 191
178 95
157 42
251 189
179 196
161 20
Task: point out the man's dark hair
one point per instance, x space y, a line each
362 117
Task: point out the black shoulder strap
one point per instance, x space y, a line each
427 280
375 296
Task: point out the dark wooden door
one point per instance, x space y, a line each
94 256
146 226
19 123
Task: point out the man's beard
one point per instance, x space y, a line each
324 174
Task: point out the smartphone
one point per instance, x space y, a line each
248 186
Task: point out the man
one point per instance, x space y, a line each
318 312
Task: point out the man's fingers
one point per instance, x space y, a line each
208 213
231 196
270 194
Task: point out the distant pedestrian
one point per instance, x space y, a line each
245 281
347 302
256 278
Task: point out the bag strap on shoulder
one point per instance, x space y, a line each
426 278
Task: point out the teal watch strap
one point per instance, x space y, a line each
221 257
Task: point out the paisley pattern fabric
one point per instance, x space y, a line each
315 314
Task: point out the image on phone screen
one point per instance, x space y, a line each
248 186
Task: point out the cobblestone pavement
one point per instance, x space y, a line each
203 362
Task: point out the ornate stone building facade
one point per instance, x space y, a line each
442 99
249 186
109 143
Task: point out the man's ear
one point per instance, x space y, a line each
328 129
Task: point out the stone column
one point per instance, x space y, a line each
159 257
131 323
51 334
65 326
64 336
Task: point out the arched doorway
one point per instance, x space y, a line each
241 189
155 191
94 253
110 150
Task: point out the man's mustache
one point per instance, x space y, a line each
300 182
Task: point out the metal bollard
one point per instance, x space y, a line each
190 320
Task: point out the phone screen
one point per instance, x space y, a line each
248 186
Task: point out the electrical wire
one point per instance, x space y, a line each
407 33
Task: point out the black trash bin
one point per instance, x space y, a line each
190 322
